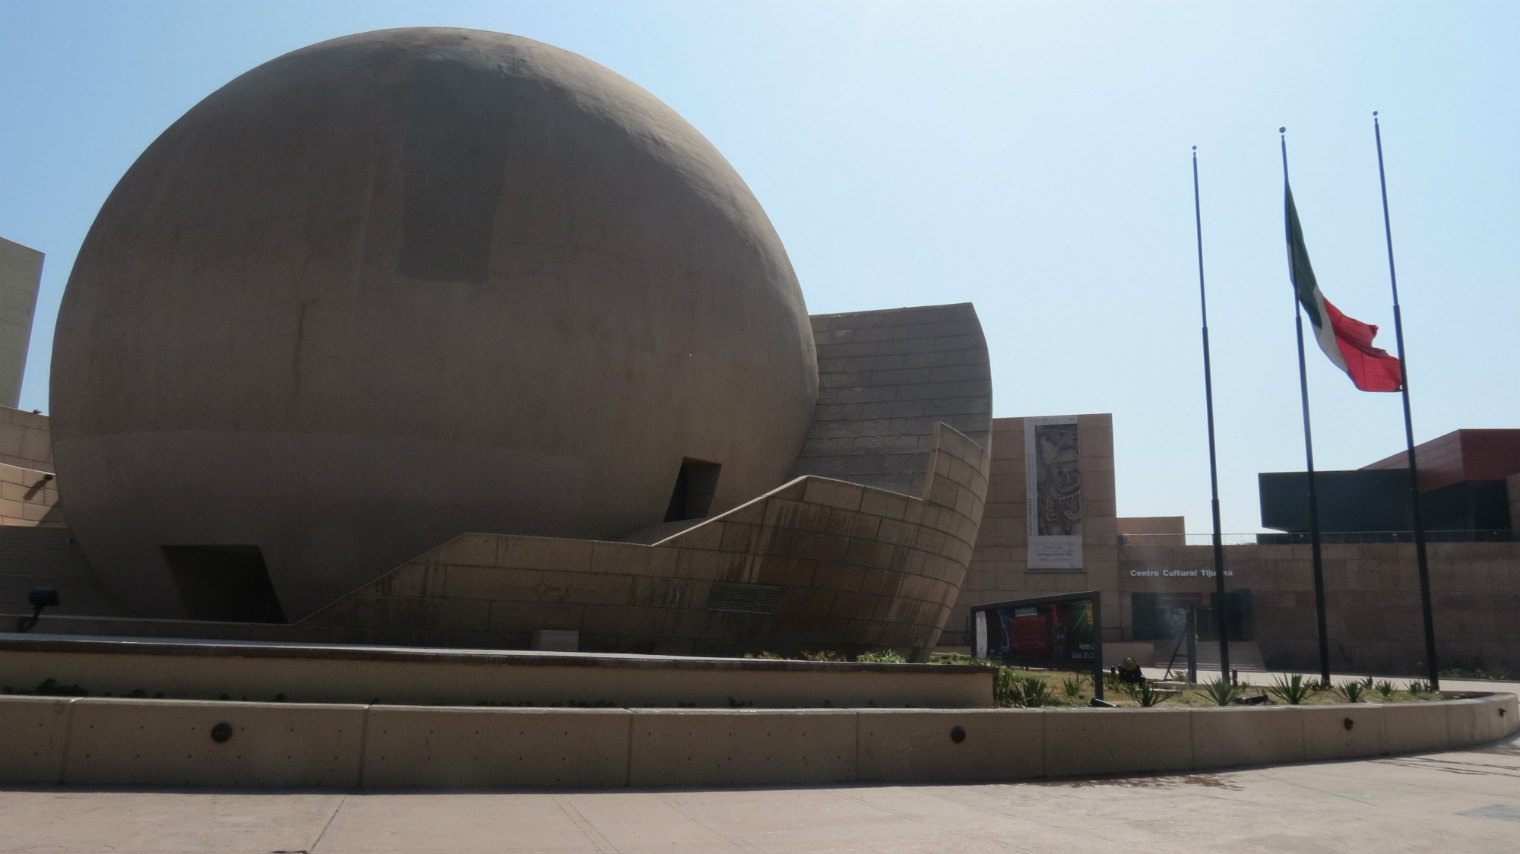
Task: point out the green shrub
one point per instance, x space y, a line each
1072 685
821 655
1419 686
886 656
53 688
1384 688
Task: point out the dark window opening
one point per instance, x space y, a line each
696 484
225 583
743 598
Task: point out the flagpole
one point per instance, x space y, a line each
1208 398
1303 387
1414 470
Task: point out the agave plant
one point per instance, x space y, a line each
1352 692
1072 685
1384 688
1419 686
1146 694
1035 692
1222 691
1293 690
1007 687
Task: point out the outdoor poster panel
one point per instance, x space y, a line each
1059 633
1053 492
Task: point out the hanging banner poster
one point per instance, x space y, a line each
1053 492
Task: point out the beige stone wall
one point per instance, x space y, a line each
845 567
999 569
29 498
24 440
1372 600
1512 484
1152 530
20 276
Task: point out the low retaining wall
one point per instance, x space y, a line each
211 670
104 741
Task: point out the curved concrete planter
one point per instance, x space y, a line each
88 741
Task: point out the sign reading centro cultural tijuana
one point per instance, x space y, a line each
1053 492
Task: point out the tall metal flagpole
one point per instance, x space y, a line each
1303 387
1414 470
1208 398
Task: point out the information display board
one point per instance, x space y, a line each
1053 632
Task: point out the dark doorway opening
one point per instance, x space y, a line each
696 483
227 583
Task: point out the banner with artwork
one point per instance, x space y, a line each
1053 492
1058 632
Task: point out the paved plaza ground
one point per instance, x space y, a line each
1467 800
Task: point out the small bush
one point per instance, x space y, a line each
53 688
1072 686
1384 688
1293 690
1419 686
769 656
887 656
821 655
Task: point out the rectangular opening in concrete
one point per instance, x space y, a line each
224 582
743 598
696 483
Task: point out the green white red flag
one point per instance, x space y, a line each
1346 340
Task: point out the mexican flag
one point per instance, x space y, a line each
1346 340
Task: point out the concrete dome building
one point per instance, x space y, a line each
403 285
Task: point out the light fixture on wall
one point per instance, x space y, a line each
39 597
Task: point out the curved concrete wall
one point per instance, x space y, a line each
168 743
402 285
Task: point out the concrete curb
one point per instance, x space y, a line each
110 741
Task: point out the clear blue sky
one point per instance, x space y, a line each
1032 158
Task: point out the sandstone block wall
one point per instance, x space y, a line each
999 568
1372 601
24 440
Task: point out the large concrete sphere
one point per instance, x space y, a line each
406 284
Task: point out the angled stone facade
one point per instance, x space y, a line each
885 380
815 564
